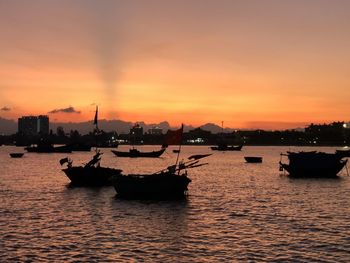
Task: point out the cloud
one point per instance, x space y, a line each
65 110
5 109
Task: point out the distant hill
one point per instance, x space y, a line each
10 126
213 128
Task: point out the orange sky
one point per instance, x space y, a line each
252 64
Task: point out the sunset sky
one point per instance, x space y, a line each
252 64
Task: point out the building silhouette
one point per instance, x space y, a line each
33 125
136 134
155 131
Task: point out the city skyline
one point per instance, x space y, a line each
270 65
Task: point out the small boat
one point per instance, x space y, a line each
176 151
49 148
223 143
170 183
16 155
78 147
91 174
253 159
134 153
313 164
225 147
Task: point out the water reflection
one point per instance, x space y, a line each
234 212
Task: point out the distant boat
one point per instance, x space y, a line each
16 155
49 148
91 174
134 153
176 151
225 147
78 147
253 159
313 164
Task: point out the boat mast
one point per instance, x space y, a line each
96 130
178 153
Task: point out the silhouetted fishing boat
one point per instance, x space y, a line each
90 174
16 155
134 153
313 164
253 159
169 183
79 147
49 148
225 147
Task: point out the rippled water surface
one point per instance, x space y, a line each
234 212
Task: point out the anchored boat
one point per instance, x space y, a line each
313 164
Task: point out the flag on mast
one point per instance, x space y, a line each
174 137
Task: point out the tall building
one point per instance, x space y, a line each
136 134
33 125
43 124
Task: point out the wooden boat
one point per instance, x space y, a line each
160 185
79 147
134 153
16 155
223 143
49 148
169 183
253 159
313 164
91 174
225 147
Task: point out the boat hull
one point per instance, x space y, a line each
253 159
49 149
138 154
16 155
313 164
227 148
91 176
80 148
163 185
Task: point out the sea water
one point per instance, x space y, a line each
234 211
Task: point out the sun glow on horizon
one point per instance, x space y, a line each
277 64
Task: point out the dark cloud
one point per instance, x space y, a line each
5 109
65 110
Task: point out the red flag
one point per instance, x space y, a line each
174 137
